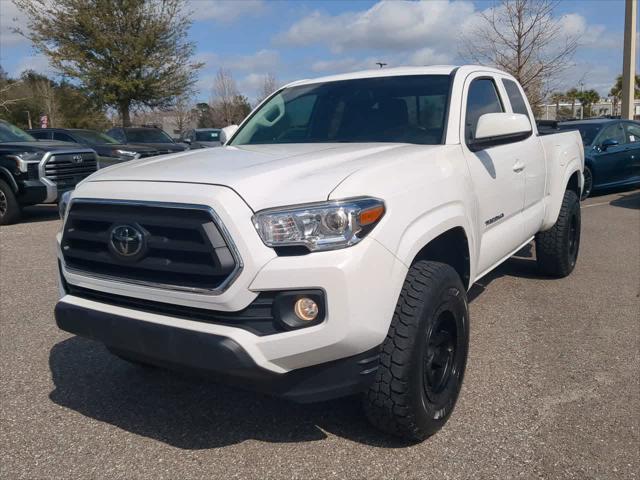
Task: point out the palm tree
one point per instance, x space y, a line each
616 92
587 99
557 98
572 95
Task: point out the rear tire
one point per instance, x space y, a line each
423 358
10 210
557 248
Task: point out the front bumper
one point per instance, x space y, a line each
361 285
217 356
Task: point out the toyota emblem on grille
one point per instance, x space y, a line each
126 240
77 159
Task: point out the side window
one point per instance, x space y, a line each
117 134
482 98
613 132
518 104
42 135
63 137
633 132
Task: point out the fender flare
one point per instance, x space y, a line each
6 174
556 193
431 225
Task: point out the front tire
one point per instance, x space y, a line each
423 358
9 207
557 248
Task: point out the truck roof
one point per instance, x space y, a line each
396 71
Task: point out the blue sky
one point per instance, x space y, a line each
301 39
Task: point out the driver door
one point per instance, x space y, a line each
497 174
611 163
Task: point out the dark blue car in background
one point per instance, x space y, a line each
612 152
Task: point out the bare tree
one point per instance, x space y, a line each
269 85
223 92
228 105
524 38
45 91
6 95
184 115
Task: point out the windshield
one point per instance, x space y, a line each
208 136
152 135
588 132
94 138
407 109
11 133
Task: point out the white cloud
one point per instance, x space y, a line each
388 25
38 63
265 60
10 17
224 11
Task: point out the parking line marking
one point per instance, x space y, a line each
595 204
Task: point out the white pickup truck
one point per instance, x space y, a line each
327 248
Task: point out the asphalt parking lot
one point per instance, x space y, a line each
552 388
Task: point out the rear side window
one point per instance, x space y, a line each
63 137
633 132
515 97
41 135
482 98
613 132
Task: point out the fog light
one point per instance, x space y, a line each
306 309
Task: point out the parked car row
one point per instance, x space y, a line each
612 151
39 165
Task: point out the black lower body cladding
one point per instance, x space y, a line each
216 356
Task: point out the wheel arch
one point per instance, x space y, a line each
6 176
571 180
452 248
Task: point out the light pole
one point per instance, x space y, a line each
629 59
29 119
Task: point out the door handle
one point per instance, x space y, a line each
518 166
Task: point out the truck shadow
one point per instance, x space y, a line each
630 200
195 413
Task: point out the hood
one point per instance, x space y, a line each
264 175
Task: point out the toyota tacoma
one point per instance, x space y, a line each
327 248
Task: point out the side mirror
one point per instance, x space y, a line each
187 140
499 128
227 132
609 142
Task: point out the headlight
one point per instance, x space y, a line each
128 154
24 158
319 226
63 203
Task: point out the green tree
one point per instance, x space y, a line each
616 92
572 95
557 98
587 99
127 53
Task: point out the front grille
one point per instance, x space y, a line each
66 170
180 246
257 318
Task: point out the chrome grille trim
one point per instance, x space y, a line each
222 287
